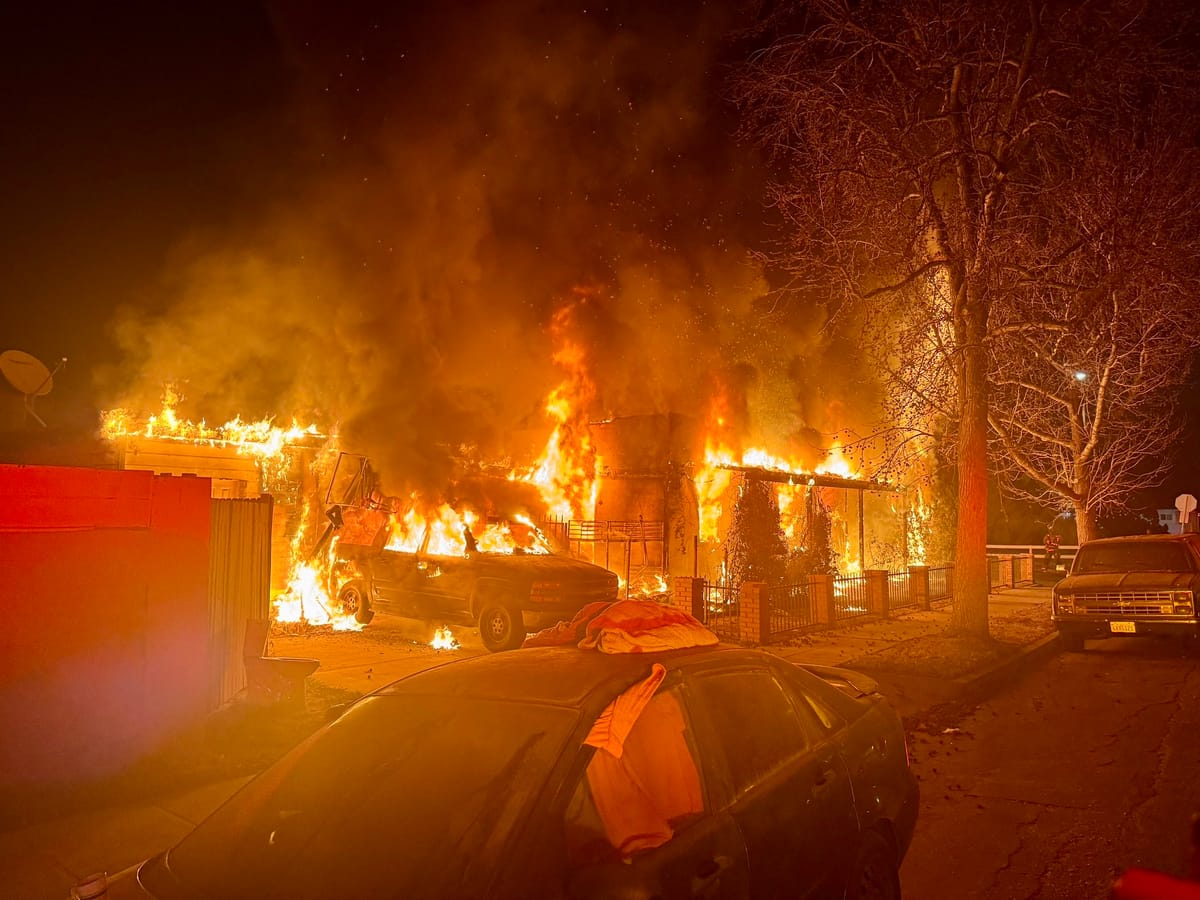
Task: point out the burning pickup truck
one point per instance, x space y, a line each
506 595
450 566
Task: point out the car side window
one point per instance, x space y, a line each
755 723
639 800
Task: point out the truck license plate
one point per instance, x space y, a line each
1123 627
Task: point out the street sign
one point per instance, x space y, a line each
1186 504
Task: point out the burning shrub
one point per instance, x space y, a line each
755 545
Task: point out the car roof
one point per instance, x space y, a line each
559 676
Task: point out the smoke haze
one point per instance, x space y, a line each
456 179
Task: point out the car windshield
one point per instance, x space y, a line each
1132 556
405 795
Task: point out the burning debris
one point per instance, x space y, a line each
443 639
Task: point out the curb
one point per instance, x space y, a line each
1042 649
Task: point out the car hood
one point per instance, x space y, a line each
1125 581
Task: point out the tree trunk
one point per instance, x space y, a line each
1085 523
970 546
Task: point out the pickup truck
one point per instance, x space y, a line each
1123 586
505 595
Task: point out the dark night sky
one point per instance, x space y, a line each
127 128
371 210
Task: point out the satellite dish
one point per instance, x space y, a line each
29 376
26 373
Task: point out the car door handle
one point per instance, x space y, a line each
708 869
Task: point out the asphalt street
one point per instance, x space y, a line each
1073 772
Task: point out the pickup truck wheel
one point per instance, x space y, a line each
354 602
501 626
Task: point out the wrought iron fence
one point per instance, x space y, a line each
850 597
900 595
999 572
941 583
721 610
790 608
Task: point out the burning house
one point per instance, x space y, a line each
647 497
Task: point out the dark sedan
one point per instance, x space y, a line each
742 776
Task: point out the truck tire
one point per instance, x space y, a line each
354 600
500 625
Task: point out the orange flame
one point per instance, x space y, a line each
565 473
306 601
443 639
442 530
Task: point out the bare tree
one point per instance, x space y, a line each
1091 358
910 140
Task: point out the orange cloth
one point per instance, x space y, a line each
567 632
643 777
619 717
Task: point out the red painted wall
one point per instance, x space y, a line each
104 623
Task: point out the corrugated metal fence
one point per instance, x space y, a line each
239 587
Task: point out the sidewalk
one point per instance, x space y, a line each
919 666
916 664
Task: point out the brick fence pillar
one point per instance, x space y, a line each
688 594
918 586
822 599
877 592
754 618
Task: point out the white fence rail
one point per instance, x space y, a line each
1037 552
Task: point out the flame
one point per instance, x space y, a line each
442 530
836 463
306 600
261 438
918 515
565 473
714 478
443 639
